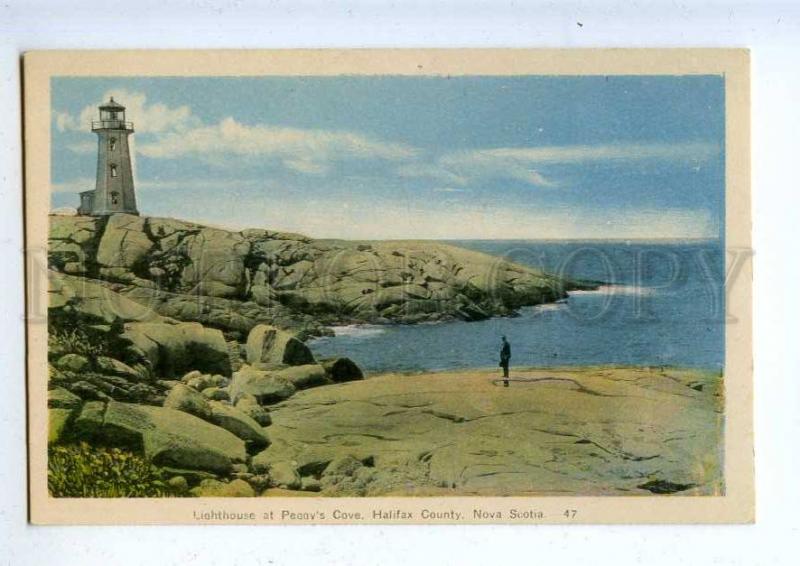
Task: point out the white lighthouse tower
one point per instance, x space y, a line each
113 192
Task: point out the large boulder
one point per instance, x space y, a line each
272 346
167 437
183 398
342 369
264 386
239 423
175 348
72 362
305 376
283 474
248 404
216 394
60 398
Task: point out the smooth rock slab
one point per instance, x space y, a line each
573 431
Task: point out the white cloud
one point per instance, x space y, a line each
689 151
522 163
463 168
305 151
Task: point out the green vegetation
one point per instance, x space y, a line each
88 471
73 341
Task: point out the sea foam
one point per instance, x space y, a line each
618 290
358 330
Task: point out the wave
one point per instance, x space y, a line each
618 290
358 330
550 306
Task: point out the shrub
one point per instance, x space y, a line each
74 341
87 471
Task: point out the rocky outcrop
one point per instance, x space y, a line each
236 280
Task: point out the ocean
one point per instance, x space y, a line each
661 303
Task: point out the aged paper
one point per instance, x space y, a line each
389 286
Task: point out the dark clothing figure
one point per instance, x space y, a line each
505 357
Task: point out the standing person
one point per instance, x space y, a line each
505 356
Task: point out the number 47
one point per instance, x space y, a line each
570 513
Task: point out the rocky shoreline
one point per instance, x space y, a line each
170 342
235 280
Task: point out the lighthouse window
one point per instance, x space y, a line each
112 144
114 197
113 170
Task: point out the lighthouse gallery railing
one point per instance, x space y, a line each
112 125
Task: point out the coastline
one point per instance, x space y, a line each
268 414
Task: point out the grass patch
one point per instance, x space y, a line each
87 471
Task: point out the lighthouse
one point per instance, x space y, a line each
113 192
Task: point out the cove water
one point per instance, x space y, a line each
660 304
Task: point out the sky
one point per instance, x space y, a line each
390 157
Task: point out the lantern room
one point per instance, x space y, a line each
112 116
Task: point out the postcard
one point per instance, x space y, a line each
389 286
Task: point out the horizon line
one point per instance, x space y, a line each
656 239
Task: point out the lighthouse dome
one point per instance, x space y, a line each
111 105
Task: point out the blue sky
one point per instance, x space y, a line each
411 157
